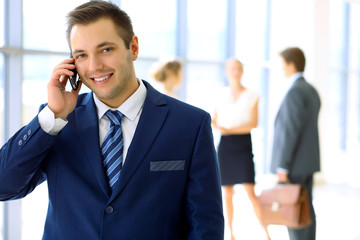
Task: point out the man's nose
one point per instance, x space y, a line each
95 63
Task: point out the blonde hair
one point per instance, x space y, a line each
231 60
162 70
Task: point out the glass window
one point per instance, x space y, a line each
353 138
336 33
203 83
34 209
37 71
335 101
142 68
250 40
206 30
2 21
2 100
2 134
250 37
46 35
338 80
1 220
155 28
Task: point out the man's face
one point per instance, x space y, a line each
103 62
287 68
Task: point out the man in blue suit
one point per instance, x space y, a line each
166 184
296 154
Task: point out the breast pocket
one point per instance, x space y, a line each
173 165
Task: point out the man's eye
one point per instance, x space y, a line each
107 50
80 56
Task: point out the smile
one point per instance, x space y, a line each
101 79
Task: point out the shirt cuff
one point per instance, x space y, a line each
282 170
48 123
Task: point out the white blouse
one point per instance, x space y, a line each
232 113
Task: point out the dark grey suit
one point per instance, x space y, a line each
296 142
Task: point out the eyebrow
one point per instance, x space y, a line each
106 43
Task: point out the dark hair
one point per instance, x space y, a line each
92 11
163 69
296 56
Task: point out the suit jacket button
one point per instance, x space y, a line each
25 137
20 142
29 132
109 209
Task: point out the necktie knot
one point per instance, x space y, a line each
114 117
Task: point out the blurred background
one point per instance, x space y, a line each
204 33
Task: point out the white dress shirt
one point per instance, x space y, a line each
131 109
291 79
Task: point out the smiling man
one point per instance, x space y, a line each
123 161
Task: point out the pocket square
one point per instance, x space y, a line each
174 165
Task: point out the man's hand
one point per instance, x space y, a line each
62 102
282 177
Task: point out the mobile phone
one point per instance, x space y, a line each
74 79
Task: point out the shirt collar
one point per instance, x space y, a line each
294 77
130 108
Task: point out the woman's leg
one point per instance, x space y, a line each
250 190
228 195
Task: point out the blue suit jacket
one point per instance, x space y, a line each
168 188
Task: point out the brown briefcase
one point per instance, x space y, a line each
285 204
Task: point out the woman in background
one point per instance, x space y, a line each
169 75
236 114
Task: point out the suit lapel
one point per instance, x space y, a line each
152 118
88 129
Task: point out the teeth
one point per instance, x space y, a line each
101 79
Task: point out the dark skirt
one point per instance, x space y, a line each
236 159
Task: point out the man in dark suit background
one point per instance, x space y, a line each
296 154
166 181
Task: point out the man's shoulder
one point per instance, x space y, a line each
302 85
302 91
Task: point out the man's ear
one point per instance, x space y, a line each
134 47
293 67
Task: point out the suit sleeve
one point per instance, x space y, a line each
203 198
21 159
288 128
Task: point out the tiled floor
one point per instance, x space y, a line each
337 207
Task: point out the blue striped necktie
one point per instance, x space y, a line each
112 147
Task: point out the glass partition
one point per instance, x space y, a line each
2 134
46 35
2 21
155 28
203 83
206 30
353 135
338 82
